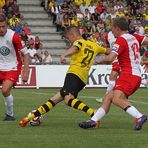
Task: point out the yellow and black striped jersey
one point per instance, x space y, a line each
82 60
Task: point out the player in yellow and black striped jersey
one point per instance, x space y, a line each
83 53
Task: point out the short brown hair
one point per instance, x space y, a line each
121 22
73 29
2 18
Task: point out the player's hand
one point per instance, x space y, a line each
63 60
25 74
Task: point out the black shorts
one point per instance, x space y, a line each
72 84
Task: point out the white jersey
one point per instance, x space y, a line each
110 39
10 43
128 53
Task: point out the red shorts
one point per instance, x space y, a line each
116 67
127 83
11 75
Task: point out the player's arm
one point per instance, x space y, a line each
68 52
117 49
145 42
141 39
18 44
25 71
107 59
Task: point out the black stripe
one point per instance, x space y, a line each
37 113
125 109
80 44
53 104
70 101
46 107
92 114
77 104
86 108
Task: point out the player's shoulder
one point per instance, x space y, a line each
10 33
76 42
121 39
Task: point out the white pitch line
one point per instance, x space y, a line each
82 96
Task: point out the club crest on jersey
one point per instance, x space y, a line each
4 50
115 47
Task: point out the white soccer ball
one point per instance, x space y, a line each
36 121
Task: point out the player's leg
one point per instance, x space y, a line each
47 106
121 101
124 88
9 79
144 82
75 103
42 109
100 113
73 84
112 78
6 91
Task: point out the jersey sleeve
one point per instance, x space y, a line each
119 46
139 38
17 42
102 50
78 44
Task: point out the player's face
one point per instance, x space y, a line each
115 31
70 37
3 28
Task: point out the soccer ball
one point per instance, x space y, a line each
36 121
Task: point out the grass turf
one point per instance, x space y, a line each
60 126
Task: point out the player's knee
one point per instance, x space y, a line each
67 95
67 99
5 92
115 101
63 92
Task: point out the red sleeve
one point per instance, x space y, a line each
17 42
119 45
139 38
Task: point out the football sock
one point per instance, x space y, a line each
100 113
110 86
42 109
77 104
9 105
131 110
144 82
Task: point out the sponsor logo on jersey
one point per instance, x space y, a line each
23 43
115 47
4 51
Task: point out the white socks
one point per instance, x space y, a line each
133 112
110 86
100 113
9 105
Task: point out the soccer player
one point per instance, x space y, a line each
126 49
83 53
11 64
110 40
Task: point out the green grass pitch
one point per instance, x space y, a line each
60 126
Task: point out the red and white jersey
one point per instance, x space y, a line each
110 39
10 44
127 47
